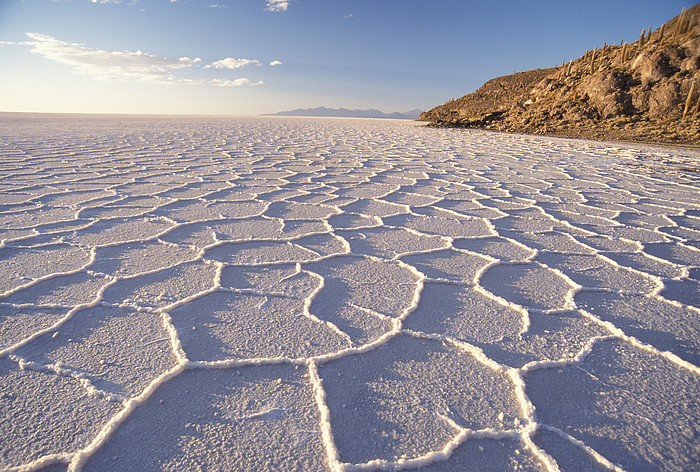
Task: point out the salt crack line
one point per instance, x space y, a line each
156 237
656 279
61 371
433 457
42 462
93 258
631 340
307 305
599 458
80 457
566 361
475 352
330 448
417 292
95 302
374 313
216 286
361 349
525 319
528 412
174 337
246 362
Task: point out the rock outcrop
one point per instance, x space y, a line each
648 91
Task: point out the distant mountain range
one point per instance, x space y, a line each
345 113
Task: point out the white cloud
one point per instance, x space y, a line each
220 82
276 5
106 64
275 63
231 63
236 83
126 65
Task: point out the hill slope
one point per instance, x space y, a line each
635 92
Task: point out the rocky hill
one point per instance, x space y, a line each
647 91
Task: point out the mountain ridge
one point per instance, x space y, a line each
347 113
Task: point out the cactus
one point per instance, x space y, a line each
689 99
679 23
592 69
625 52
641 39
649 34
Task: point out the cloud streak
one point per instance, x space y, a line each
127 65
276 5
106 64
231 63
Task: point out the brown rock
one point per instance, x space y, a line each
652 66
609 93
664 101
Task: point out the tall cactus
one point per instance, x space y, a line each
679 24
689 99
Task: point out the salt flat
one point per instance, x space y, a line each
307 294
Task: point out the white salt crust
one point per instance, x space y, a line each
136 252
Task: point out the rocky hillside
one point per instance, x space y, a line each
648 91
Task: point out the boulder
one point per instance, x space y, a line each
609 93
652 66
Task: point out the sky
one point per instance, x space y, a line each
250 57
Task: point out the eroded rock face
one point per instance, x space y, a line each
654 65
609 93
664 100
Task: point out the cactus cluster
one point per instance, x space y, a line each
683 24
625 52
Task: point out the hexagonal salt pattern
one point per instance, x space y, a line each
343 295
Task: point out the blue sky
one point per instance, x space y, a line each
246 57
